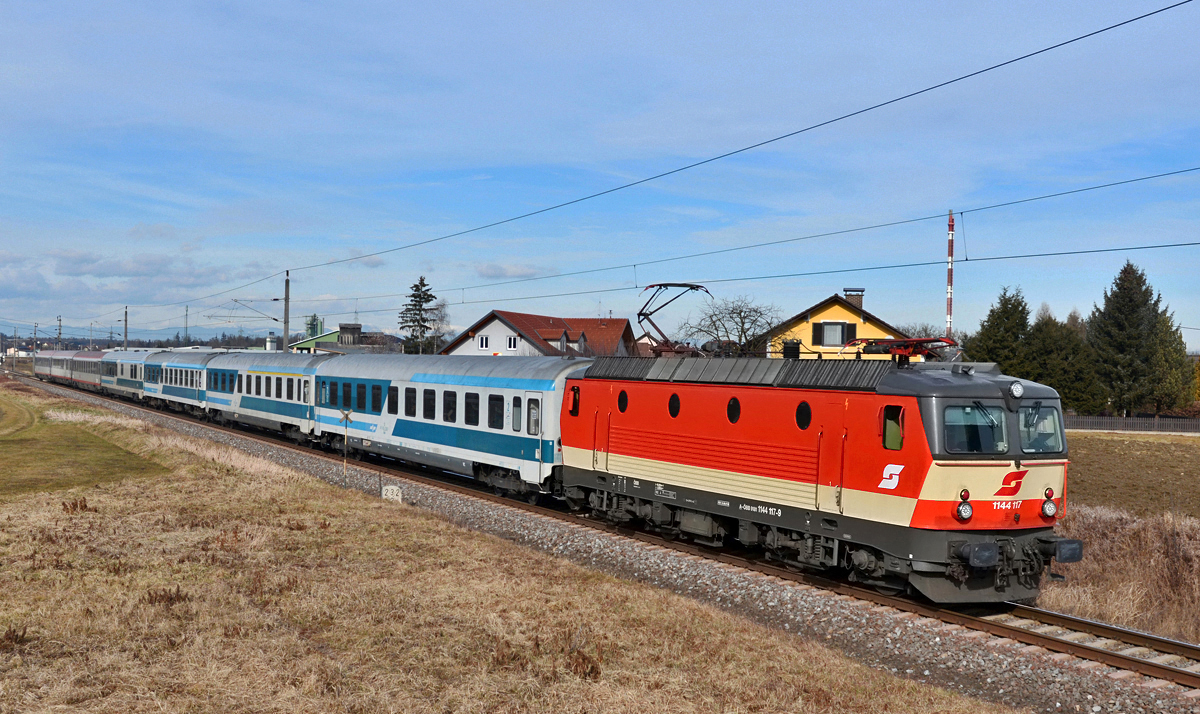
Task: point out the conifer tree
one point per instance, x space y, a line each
1001 335
1122 333
1171 370
414 318
1059 357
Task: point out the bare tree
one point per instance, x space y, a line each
731 327
439 324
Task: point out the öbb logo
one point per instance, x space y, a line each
1012 483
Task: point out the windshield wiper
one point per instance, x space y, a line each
991 420
1031 420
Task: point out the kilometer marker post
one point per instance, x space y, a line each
345 439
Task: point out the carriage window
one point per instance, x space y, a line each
346 396
574 401
239 384
535 416
977 429
516 419
376 398
429 404
361 390
471 405
673 406
622 401
450 406
803 415
268 381
893 427
279 387
305 398
410 402
258 386
733 410
393 399
224 381
333 394
495 411
291 393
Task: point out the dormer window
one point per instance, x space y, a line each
833 334
512 342
483 342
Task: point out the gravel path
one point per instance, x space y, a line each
918 648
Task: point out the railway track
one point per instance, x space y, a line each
1135 652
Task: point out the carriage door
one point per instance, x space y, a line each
532 462
600 428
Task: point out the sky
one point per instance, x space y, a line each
174 156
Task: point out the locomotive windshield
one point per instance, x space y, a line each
976 429
1040 431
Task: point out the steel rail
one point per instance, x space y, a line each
1179 675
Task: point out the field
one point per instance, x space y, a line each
1135 502
1143 474
213 581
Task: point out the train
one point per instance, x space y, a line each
943 480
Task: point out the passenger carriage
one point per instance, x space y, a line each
86 370
53 365
123 372
492 419
267 389
177 379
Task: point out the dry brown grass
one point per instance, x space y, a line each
233 584
1139 572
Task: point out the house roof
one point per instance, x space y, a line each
544 331
838 300
315 338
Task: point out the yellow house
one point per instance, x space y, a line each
826 327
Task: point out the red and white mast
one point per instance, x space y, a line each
950 278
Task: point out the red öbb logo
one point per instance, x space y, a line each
1012 483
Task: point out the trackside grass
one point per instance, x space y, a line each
229 583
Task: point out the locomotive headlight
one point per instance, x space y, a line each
963 511
1016 390
1049 508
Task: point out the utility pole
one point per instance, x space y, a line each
186 341
950 278
35 326
90 348
126 328
287 304
58 341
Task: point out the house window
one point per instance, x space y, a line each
483 342
429 404
393 398
512 342
833 334
495 411
471 406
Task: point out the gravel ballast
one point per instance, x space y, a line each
918 648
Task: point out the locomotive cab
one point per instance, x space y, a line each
996 481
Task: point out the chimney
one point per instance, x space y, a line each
854 296
349 333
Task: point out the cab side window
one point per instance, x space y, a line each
892 418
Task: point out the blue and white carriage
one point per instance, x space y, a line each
478 416
272 390
124 373
177 378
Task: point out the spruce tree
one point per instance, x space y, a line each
1171 370
414 318
1122 333
1001 335
1058 356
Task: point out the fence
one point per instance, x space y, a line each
1163 424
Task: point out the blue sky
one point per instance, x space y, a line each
157 153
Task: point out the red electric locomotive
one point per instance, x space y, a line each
943 478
